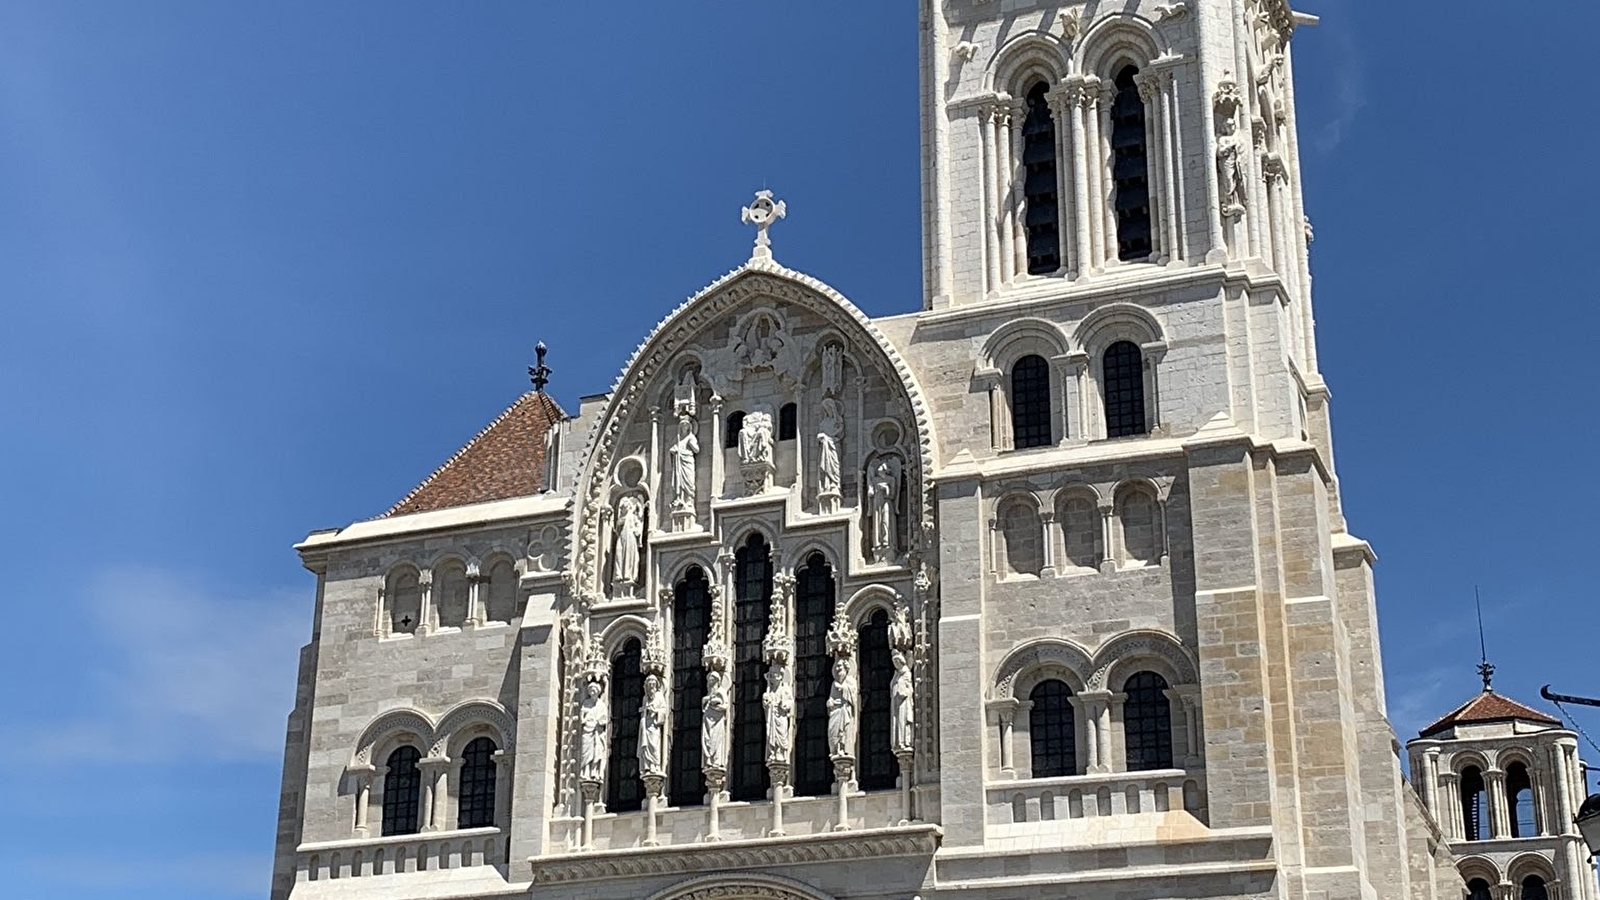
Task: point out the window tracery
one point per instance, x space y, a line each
815 600
877 768
691 627
747 770
624 793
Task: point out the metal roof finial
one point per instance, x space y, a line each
540 374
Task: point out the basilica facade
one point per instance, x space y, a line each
1042 589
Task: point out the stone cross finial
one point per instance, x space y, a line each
762 213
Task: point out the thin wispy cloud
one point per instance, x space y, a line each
1348 88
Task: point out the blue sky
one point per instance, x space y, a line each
267 264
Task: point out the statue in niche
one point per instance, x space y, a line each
830 431
832 370
686 394
900 703
755 438
842 711
630 541
1231 147
758 347
684 452
594 722
779 704
883 496
652 727
714 714
901 637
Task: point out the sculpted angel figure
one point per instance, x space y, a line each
652 727
829 432
594 722
832 370
683 452
714 713
630 537
883 493
779 704
842 711
900 703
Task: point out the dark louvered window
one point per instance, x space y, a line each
878 767
1043 213
1123 372
735 423
747 767
624 793
1030 403
1130 167
476 807
788 422
691 625
1052 731
1147 723
402 792
813 677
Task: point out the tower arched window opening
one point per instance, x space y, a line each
1040 185
1052 730
691 625
1519 798
475 806
1147 723
402 791
1030 403
1122 379
879 769
747 765
1474 805
624 792
813 678
788 422
404 596
1130 169
1478 889
1533 888
730 439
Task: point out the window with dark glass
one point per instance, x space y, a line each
1147 723
788 422
624 792
735 422
1130 169
1123 371
1052 731
878 769
1478 889
475 808
691 625
1039 186
1519 791
747 765
1533 888
402 792
1474 804
813 676
1030 403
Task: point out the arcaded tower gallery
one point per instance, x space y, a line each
1039 590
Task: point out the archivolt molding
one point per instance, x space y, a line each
1048 652
474 712
1472 867
1114 38
397 721
1529 863
1091 670
619 630
434 737
1026 54
1114 322
861 605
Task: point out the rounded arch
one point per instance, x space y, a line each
1116 41
1506 757
1529 863
1143 650
620 630
472 719
1472 867
1024 59
683 562
1025 496
1018 338
759 283
742 886
1117 322
1046 655
863 603
390 728
798 556
743 531
1076 490
1462 760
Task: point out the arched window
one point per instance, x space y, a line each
1122 371
691 625
735 423
1139 518
1052 731
1533 888
1519 797
624 793
1478 889
1043 211
404 595
1130 168
450 594
1147 723
878 769
1023 537
475 808
402 792
1081 532
500 602
1030 403
747 765
813 676
1474 804
788 422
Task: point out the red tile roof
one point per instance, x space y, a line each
1489 707
505 460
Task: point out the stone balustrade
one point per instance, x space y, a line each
359 857
1096 796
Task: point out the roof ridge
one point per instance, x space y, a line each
456 456
1510 709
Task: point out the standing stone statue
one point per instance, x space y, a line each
842 711
714 715
832 370
829 433
684 451
883 493
630 540
901 715
779 703
594 720
652 727
755 438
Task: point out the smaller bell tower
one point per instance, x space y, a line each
1504 782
